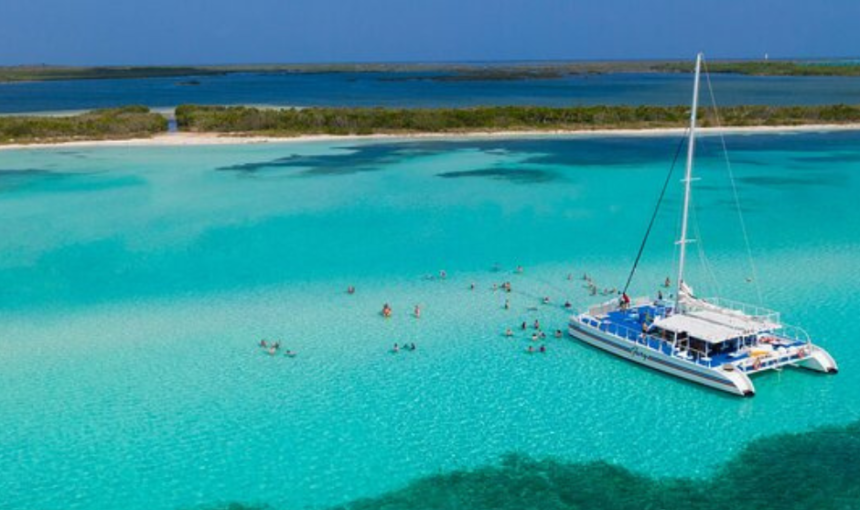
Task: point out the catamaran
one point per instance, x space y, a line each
710 341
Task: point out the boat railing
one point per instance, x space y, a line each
793 333
603 309
621 331
755 311
613 304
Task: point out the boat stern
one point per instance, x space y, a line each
820 361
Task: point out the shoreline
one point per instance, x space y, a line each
211 138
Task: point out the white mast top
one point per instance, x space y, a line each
691 150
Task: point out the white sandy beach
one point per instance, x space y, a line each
189 139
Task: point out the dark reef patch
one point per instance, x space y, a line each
27 178
515 175
360 158
813 470
852 157
774 181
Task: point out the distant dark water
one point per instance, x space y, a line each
391 90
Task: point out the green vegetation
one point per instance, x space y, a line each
767 68
51 73
440 72
361 121
107 124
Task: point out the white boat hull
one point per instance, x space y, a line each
734 382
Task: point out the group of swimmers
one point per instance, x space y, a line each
538 334
387 311
273 348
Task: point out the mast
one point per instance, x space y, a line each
691 150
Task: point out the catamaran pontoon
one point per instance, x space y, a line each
714 342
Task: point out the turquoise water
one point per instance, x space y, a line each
418 90
135 283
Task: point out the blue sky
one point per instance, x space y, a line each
251 31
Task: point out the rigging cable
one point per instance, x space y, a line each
654 214
734 187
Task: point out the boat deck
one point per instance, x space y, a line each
628 324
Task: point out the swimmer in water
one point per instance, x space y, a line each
667 283
524 326
272 351
534 337
412 346
289 353
542 348
537 324
659 295
276 345
263 344
507 305
531 349
519 269
509 333
472 286
350 290
443 274
386 311
546 300
567 304
417 312
396 348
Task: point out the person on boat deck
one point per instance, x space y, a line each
624 301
